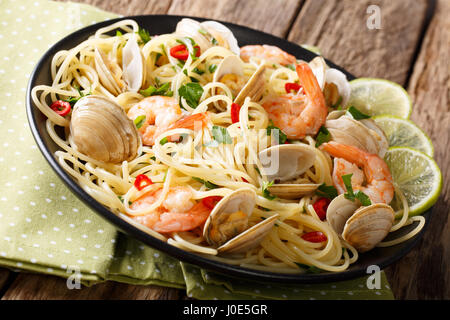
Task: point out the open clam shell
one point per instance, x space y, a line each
286 161
250 238
229 217
254 88
133 65
349 131
101 130
368 226
339 211
283 164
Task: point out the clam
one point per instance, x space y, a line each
133 65
231 70
332 81
227 226
365 134
283 164
128 78
207 34
362 227
101 130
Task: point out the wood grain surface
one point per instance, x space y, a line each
406 50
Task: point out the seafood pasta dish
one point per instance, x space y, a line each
242 154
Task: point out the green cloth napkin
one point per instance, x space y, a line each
44 228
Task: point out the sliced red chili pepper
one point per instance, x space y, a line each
235 108
321 206
61 107
210 202
314 236
180 52
245 180
142 181
292 86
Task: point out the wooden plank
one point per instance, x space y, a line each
275 18
425 272
339 29
41 287
128 7
4 275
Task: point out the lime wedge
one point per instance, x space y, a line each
404 133
377 96
417 176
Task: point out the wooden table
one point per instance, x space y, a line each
411 48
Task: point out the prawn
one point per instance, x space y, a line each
162 114
271 54
178 212
375 172
299 114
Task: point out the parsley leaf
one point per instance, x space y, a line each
163 141
139 121
266 192
192 93
198 71
144 35
214 41
356 114
273 129
163 90
221 135
350 195
118 33
329 192
338 103
207 184
323 136
73 100
291 66
212 68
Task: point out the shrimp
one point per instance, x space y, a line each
271 54
299 114
162 114
348 159
178 212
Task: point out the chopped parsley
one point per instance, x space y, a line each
350 195
73 100
272 129
192 93
329 192
139 121
212 68
221 135
207 184
163 90
144 35
291 66
323 136
356 114
266 192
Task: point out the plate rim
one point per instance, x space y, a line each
183 255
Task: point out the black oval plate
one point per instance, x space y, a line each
160 24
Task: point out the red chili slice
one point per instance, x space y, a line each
210 202
292 86
61 107
321 206
142 181
315 236
180 52
245 180
235 108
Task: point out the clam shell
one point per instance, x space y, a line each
109 73
319 67
368 226
240 200
133 65
286 161
379 135
292 191
101 130
254 87
339 211
250 238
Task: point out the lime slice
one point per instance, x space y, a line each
417 176
378 96
404 133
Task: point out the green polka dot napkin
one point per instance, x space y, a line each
44 228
